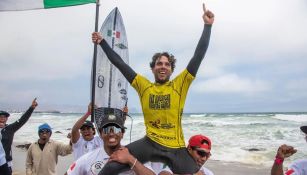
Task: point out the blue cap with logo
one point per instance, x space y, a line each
44 127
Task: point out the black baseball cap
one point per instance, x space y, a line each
112 120
304 129
6 114
87 124
109 116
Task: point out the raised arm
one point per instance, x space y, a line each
63 149
114 58
283 152
75 134
24 118
203 43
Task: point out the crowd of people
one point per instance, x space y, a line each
161 151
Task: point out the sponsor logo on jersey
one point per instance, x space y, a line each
159 102
96 167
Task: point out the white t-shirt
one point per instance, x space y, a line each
92 162
298 167
204 170
82 146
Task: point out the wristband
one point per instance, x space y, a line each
88 113
278 160
134 163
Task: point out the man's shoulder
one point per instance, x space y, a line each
79 141
33 144
97 138
300 162
140 78
90 162
206 171
298 166
54 142
99 153
184 73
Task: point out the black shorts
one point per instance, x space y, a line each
5 170
178 159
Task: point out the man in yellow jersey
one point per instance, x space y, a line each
162 105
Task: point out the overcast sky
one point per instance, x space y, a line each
256 60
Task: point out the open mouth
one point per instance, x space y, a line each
112 140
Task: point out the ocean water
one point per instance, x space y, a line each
251 138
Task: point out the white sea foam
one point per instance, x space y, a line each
288 117
197 115
245 138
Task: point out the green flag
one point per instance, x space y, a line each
16 5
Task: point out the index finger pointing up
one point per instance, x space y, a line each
204 7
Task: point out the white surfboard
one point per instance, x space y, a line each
111 85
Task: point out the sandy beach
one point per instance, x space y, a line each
217 167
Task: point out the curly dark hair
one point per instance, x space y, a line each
158 55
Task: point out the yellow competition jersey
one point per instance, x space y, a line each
162 107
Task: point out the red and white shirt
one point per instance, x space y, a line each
298 167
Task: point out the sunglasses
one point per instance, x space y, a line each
109 129
202 153
44 131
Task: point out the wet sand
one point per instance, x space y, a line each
217 167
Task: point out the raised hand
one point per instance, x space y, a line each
89 109
96 37
34 103
125 109
208 16
285 151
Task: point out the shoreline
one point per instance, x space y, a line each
216 166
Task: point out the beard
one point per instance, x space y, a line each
114 147
162 81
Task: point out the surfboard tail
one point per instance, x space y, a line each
105 116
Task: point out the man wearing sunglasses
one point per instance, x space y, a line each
42 156
298 167
199 148
111 130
